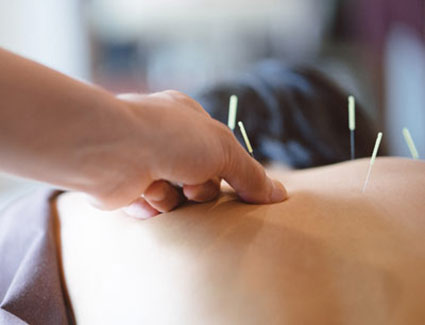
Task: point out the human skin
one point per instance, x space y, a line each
329 255
80 137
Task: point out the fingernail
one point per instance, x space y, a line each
137 211
278 193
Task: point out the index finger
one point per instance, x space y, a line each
249 179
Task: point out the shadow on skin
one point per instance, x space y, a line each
254 264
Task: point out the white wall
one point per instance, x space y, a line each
49 31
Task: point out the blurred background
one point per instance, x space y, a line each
374 48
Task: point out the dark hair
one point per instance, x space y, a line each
293 115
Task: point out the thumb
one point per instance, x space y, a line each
249 179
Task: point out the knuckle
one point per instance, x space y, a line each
156 191
202 193
176 94
163 196
167 206
186 100
170 202
171 92
206 192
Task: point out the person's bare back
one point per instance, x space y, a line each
328 255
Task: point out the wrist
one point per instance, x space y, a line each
118 161
107 145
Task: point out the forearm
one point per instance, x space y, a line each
52 126
76 136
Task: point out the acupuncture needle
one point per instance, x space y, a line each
352 123
233 107
410 143
372 160
246 139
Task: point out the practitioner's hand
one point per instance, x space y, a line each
177 142
79 137
161 196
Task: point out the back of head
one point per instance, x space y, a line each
296 116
